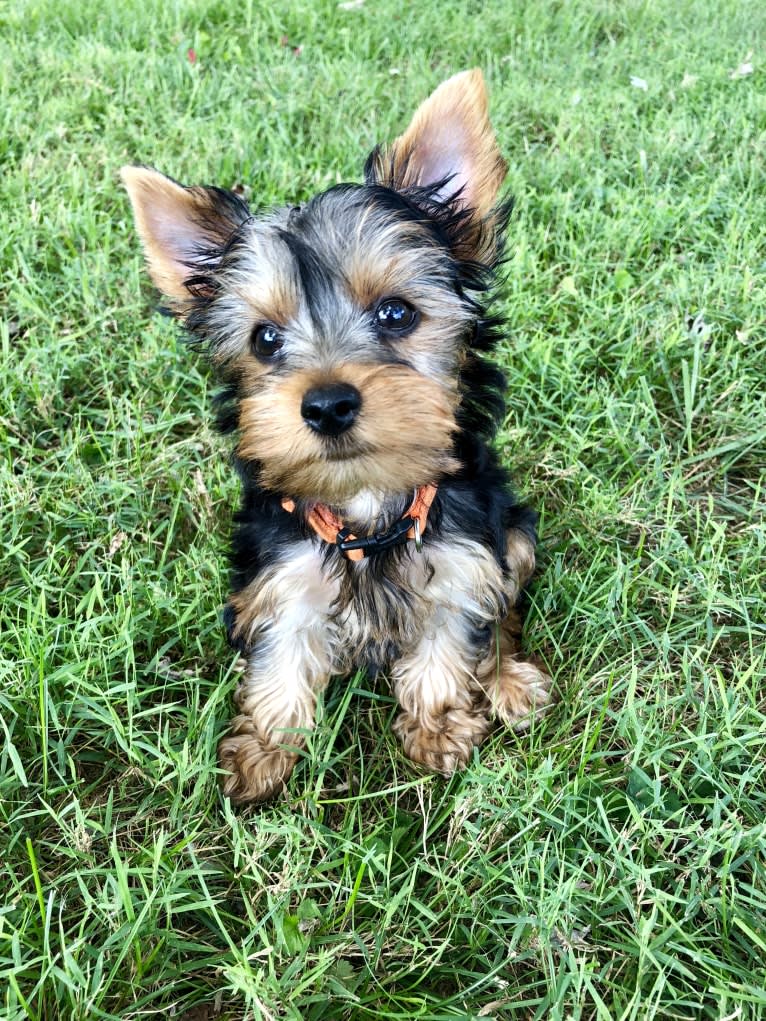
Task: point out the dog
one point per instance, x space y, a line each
377 527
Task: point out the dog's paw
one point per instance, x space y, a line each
518 693
256 769
446 744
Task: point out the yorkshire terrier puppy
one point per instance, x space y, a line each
377 526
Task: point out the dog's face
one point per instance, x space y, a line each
341 324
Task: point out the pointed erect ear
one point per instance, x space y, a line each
183 230
449 139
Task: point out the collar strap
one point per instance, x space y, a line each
330 528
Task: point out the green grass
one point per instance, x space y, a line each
610 865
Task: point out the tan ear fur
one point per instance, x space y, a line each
178 227
450 135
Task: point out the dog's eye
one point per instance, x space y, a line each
266 340
395 316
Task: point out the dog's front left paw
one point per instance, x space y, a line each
518 692
446 744
257 769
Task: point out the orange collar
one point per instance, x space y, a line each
329 526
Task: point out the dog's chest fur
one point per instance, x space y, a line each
382 608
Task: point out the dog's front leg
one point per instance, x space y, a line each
283 618
443 714
444 709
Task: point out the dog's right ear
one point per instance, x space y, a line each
183 230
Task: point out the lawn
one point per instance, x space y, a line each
611 864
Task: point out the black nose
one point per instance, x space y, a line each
331 409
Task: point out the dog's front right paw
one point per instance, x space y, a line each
257 769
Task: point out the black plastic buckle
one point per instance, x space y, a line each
377 543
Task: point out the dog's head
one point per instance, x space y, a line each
343 326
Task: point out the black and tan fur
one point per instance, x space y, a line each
425 229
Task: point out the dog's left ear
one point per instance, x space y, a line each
450 144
